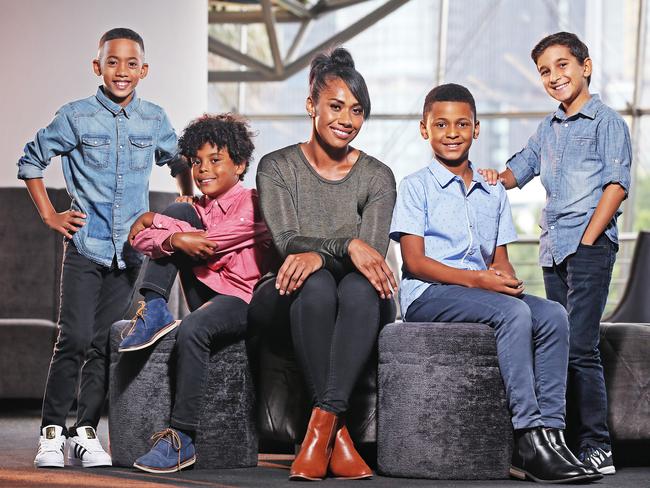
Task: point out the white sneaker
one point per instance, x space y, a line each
85 450
50 447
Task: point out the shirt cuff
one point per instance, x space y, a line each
29 171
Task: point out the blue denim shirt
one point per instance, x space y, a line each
107 153
461 228
576 157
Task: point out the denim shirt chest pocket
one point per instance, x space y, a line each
584 152
96 149
140 151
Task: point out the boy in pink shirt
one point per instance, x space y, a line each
218 244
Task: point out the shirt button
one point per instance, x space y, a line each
119 176
552 227
117 206
115 235
566 125
554 195
471 251
121 147
616 160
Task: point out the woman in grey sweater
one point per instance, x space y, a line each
328 207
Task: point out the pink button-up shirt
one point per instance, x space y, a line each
234 223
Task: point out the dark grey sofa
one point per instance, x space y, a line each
30 271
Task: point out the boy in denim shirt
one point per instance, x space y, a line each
106 143
583 154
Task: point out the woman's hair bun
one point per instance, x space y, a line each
342 57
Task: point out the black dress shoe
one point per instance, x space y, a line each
534 458
556 436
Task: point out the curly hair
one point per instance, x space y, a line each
221 131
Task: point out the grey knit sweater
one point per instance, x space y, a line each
306 212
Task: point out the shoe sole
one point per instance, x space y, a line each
362 477
80 462
48 465
523 475
176 468
607 470
302 477
165 330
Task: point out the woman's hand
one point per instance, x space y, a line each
194 244
295 270
141 223
490 175
373 266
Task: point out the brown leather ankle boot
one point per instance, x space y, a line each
314 456
346 462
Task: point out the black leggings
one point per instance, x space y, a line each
334 327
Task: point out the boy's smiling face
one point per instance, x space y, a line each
450 129
214 171
563 77
120 62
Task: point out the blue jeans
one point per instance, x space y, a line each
532 338
581 284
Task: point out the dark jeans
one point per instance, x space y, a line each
334 327
215 319
92 298
532 336
581 284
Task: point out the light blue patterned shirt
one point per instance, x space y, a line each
576 157
460 228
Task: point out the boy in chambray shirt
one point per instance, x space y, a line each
453 229
107 143
582 152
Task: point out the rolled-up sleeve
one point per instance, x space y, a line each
616 149
150 240
167 148
526 164
55 139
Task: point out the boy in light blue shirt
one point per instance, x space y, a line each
582 153
453 228
107 143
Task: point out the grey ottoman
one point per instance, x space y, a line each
442 411
141 395
626 363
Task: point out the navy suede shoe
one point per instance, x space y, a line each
152 321
172 451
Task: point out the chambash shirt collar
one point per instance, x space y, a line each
589 109
225 201
115 108
444 176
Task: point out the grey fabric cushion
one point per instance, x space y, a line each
626 362
442 406
141 394
25 351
